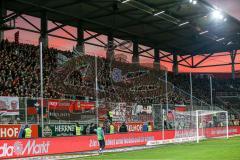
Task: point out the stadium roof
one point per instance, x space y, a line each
179 26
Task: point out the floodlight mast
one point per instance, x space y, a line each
41 84
96 90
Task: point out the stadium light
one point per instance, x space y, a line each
216 14
125 1
203 32
193 1
229 43
182 24
156 14
220 39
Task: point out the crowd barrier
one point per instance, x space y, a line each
14 131
59 145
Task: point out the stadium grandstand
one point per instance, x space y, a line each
85 78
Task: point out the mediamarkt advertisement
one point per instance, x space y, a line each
23 148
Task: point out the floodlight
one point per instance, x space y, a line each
155 14
216 14
220 39
125 1
194 2
203 32
183 24
229 43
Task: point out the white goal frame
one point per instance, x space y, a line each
208 113
195 137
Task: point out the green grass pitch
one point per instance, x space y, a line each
214 149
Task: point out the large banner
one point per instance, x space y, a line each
180 108
45 146
9 106
126 112
220 131
131 126
15 131
71 110
34 110
34 107
54 130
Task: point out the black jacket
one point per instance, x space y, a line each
123 128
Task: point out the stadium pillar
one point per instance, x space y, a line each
233 57
175 64
110 47
2 14
44 28
135 56
80 39
156 64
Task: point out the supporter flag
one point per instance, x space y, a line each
33 107
16 35
85 106
117 75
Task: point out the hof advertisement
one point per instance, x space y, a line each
15 131
9 106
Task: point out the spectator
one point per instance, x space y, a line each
123 128
149 127
84 131
145 127
110 116
92 128
106 126
78 130
27 132
88 129
112 128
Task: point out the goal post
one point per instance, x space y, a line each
197 124
201 124
193 126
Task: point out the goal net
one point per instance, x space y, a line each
201 124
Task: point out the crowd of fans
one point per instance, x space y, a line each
131 83
20 70
201 89
116 81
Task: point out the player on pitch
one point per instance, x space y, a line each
101 138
